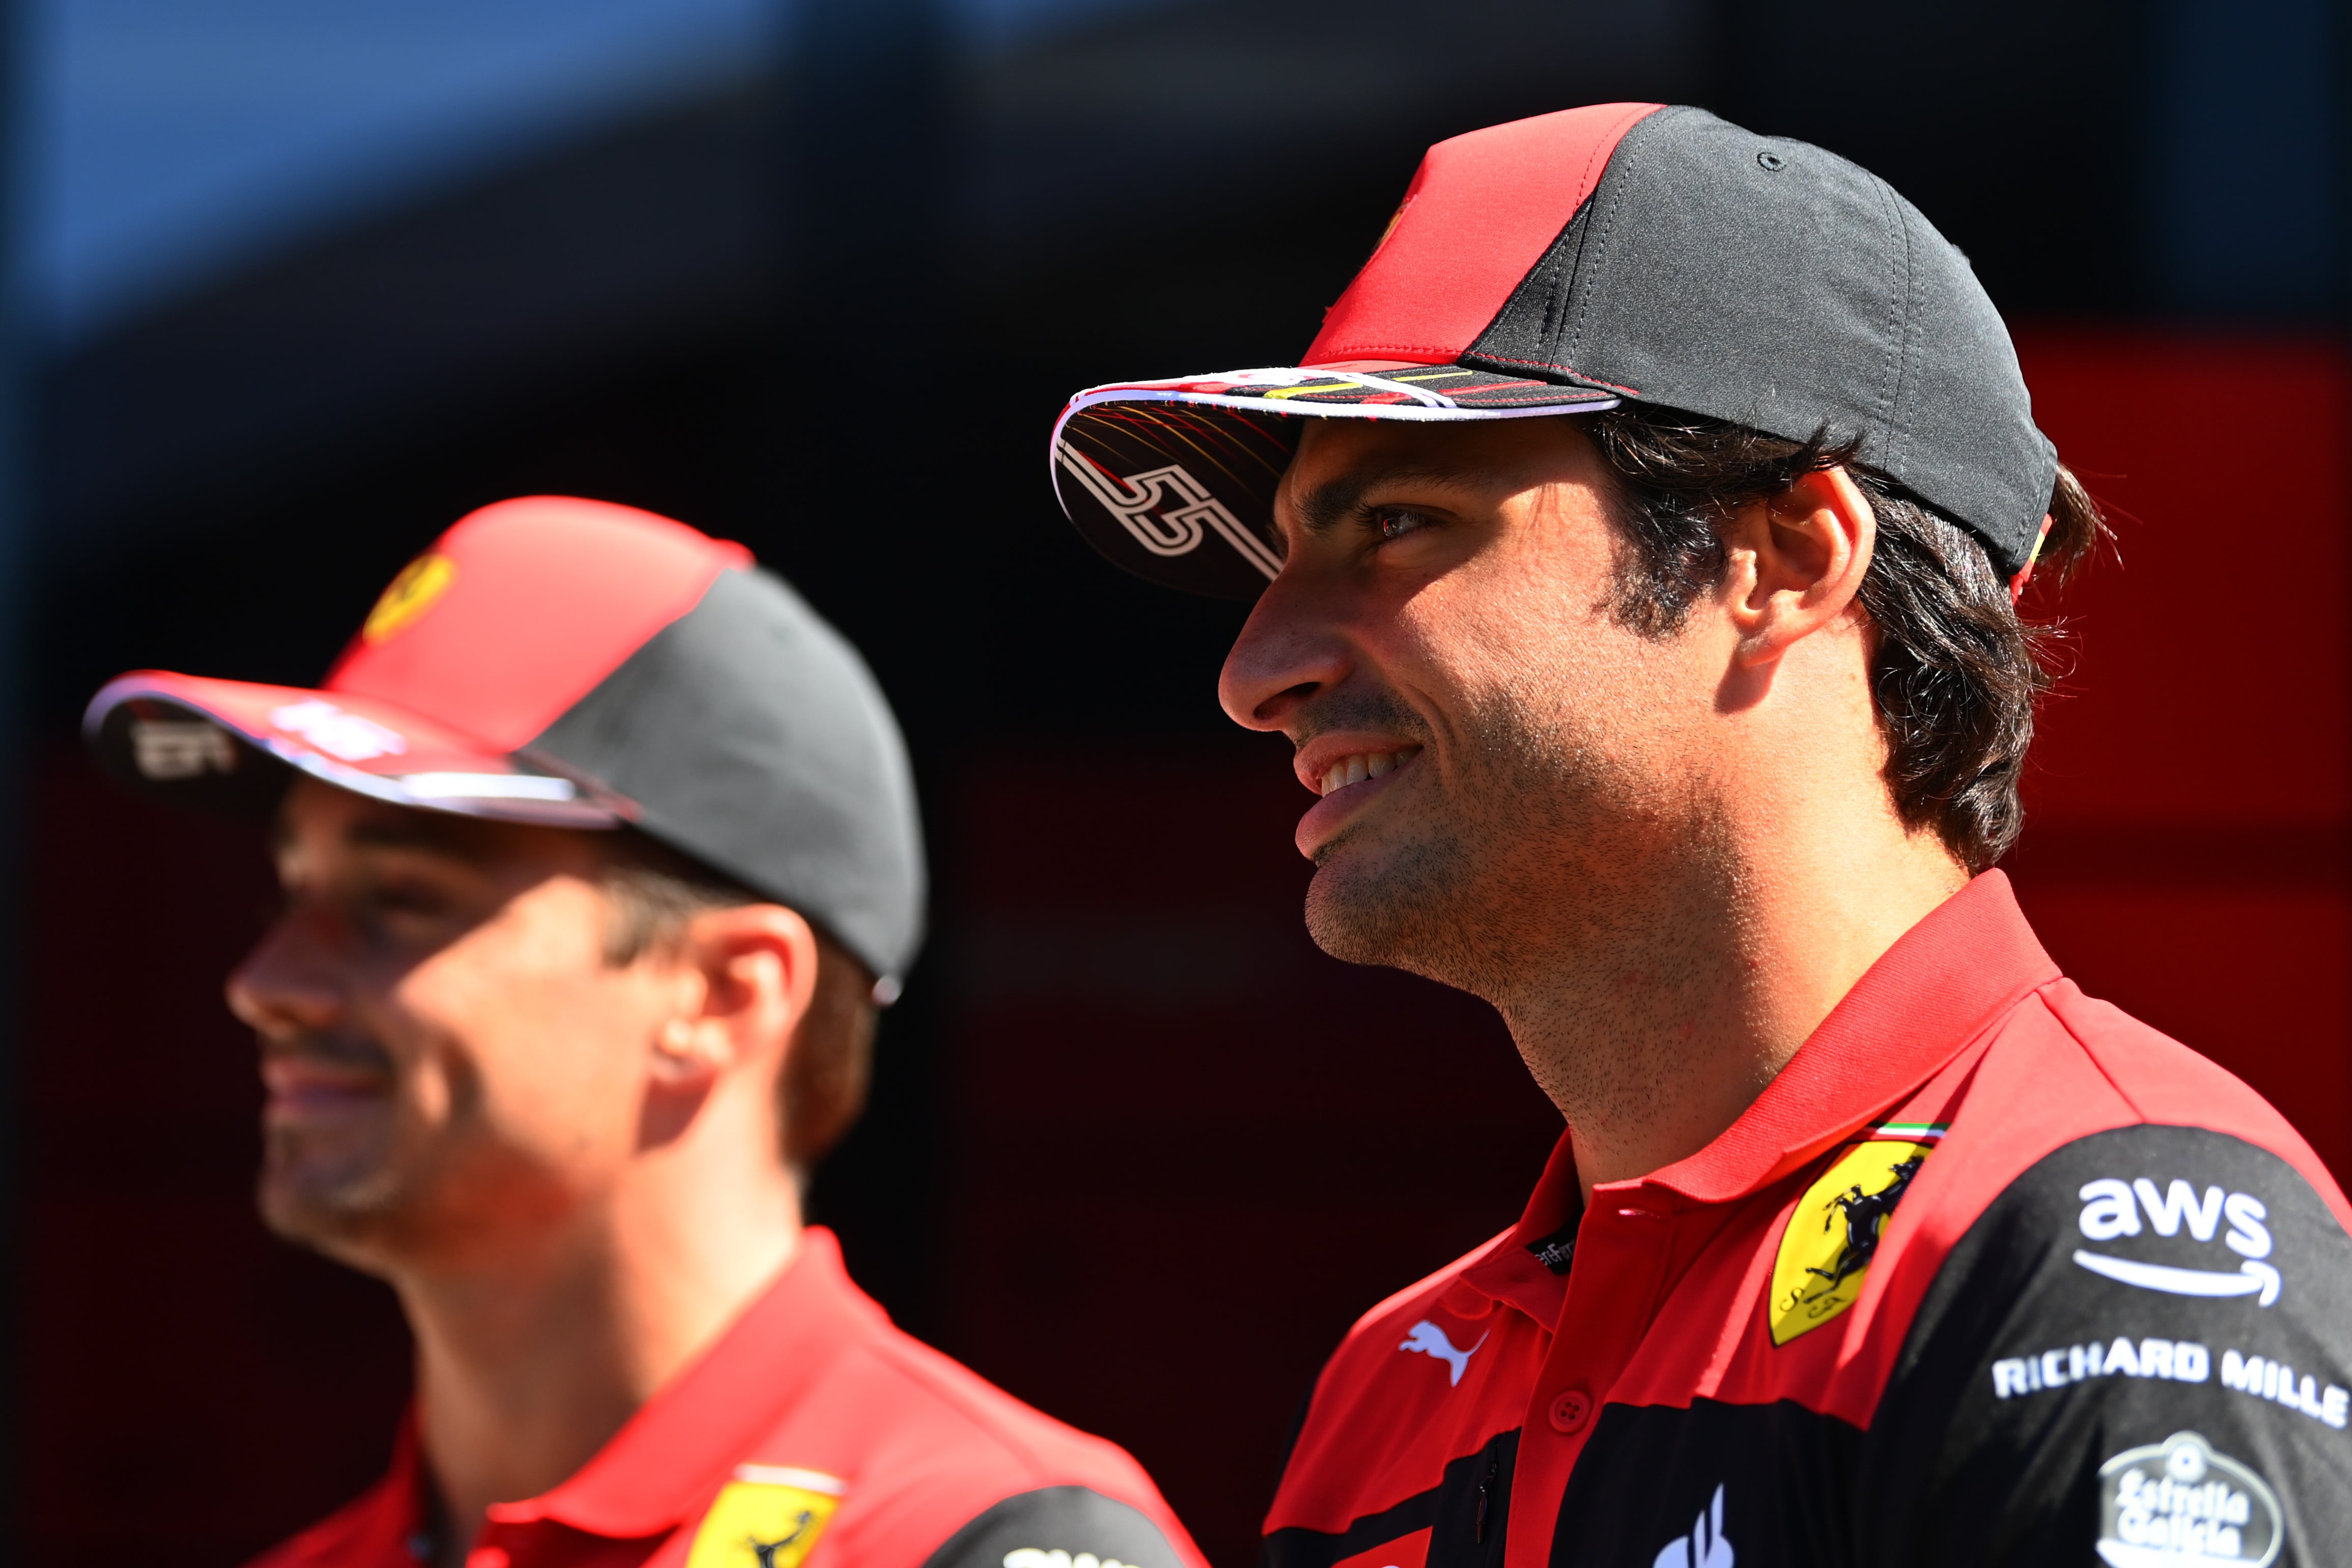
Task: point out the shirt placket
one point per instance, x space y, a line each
1623 1248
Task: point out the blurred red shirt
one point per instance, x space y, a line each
812 1426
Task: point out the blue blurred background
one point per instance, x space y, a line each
290 286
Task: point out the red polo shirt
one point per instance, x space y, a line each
1990 1273
813 1426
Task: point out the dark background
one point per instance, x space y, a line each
1138 1151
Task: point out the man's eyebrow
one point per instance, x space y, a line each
414 831
1342 496
402 833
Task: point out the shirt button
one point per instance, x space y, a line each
1572 1410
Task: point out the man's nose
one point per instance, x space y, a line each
1289 648
289 981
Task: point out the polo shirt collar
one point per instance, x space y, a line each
664 1465
1961 970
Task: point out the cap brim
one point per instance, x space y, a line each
226 746
1149 470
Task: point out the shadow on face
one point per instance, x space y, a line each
451 1059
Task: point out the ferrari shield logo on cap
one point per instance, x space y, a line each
420 583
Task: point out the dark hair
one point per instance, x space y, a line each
655 890
1955 669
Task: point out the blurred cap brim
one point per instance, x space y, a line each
232 746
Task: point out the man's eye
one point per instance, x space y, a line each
1395 522
405 898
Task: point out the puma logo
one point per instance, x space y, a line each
765 1550
1430 1339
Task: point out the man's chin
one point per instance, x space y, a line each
1385 904
338 1206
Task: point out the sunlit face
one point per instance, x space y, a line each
450 1058
1499 758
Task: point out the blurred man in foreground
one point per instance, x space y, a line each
1635 559
600 853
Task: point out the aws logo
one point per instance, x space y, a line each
2114 1209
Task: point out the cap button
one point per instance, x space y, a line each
1572 1410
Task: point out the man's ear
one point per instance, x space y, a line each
748 973
1797 562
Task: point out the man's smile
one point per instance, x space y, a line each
1347 771
1356 767
307 1082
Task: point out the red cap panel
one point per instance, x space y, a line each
522 607
1480 213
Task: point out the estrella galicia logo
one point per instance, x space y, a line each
1038 1557
2179 1504
2113 1209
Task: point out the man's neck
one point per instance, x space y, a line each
1653 1036
529 1364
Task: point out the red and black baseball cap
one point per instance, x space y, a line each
1623 252
580 665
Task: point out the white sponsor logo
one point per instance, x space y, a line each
2179 1361
2112 1209
1430 1339
2277 1381
2178 1503
1704 1547
1033 1557
165 749
1164 510
339 734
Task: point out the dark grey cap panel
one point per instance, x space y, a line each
1966 394
1766 282
753 737
1705 272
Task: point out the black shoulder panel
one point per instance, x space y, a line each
2140 1354
1057 1527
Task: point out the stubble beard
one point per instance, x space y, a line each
1549 881
372 1196
1461 893
345 1205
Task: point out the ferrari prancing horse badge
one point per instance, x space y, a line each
768 1517
1831 1238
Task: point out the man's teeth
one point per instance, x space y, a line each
1365 765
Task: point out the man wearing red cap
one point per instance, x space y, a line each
600 853
1636 558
